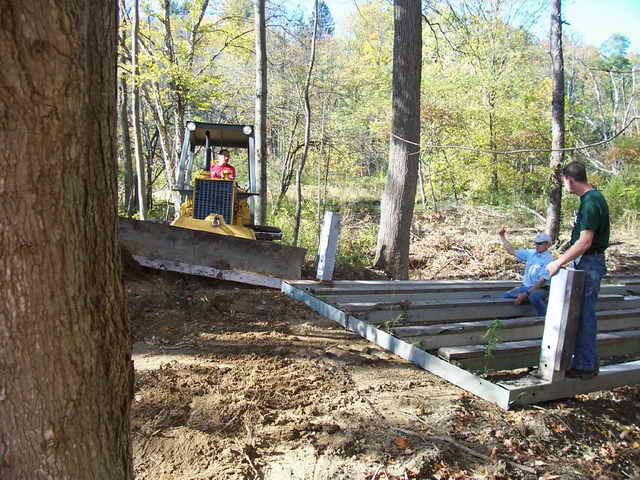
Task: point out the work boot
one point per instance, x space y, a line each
581 374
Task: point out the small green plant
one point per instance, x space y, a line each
492 340
392 322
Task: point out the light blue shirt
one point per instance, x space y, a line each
534 269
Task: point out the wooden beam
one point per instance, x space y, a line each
561 324
430 313
475 289
430 294
204 271
526 353
328 245
406 289
512 329
532 389
384 286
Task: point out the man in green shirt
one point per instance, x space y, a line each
589 240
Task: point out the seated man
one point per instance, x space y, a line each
535 273
222 168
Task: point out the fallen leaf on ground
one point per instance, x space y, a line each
401 442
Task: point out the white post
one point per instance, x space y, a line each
561 323
328 245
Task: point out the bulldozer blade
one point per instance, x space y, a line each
224 257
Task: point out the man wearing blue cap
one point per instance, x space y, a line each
535 276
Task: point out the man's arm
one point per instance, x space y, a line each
506 243
538 285
582 245
523 296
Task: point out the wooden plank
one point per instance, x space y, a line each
463 379
633 288
394 287
507 348
522 354
561 323
328 245
386 286
408 290
512 329
204 271
337 296
411 296
430 313
530 389
430 294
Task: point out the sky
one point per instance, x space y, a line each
593 20
597 20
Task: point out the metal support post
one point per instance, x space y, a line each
328 245
561 323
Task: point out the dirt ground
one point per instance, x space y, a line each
234 382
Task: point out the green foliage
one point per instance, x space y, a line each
394 321
625 151
623 192
492 340
614 53
326 24
358 232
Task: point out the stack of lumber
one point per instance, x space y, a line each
468 323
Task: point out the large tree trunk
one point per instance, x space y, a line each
392 251
137 136
65 369
261 112
557 123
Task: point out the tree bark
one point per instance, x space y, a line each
66 374
392 251
261 111
137 137
557 123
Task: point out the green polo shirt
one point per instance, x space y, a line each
593 215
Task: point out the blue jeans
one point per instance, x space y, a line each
585 356
537 298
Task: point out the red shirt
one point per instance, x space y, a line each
227 172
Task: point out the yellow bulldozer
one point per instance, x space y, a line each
212 204
215 234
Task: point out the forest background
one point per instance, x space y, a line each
486 88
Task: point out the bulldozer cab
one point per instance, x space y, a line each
218 205
200 140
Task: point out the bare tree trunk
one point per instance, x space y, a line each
261 111
137 137
66 374
554 207
392 251
319 204
128 203
166 147
307 128
421 182
495 186
287 166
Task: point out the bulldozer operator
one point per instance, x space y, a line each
222 168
